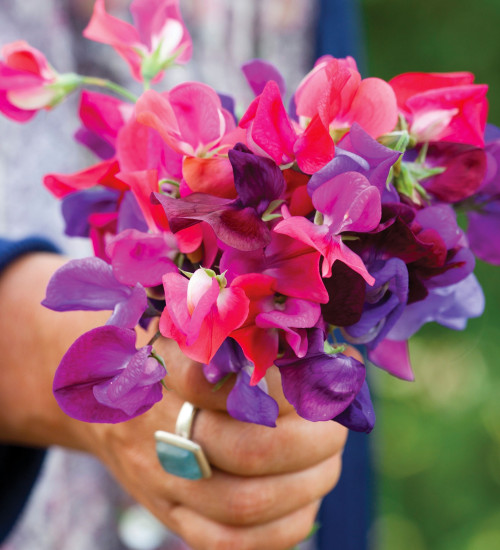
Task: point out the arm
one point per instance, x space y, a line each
267 483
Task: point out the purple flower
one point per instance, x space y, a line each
359 415
244 402
450 306
483 208
258 73
103 378
78 206
89 284
320 386
358 152
384 303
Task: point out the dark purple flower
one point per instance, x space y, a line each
320 386
103 378
89 284
384 303
238 223
359 415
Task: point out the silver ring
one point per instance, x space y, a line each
177 453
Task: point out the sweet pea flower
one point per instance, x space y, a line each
442 106
88 284
245 402
201 312
272 133
103 378
191 120
348 203
320 385
102 117
28 83
335 92
157 38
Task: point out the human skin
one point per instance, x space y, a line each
267 483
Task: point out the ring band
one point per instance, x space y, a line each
177 454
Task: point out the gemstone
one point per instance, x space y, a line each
181 457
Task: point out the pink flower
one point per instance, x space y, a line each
270 132
28 83
157 39
348 203
201 312
191 120
443 106
335 92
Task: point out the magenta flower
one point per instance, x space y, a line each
157 38
271 132
102 117
287 260
103 378
443 106
348 203
142 257
28 83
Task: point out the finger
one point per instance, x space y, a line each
201 533
245 501
186 378
248 449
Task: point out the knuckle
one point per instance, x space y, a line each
254 453
249 503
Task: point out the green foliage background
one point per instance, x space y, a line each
437 440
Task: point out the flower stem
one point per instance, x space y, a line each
104 83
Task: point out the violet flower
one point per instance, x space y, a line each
320 386
245 402
89 285
103 378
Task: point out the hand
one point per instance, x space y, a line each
266 483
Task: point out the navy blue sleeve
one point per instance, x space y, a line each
19 466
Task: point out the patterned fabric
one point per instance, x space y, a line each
76 504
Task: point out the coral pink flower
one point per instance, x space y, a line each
443 106
191 120
201 312
335 91
28 83
157 38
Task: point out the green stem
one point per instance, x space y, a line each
104 83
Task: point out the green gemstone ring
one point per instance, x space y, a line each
177 454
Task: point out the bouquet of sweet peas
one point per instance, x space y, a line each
274 240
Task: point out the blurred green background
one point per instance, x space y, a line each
437 440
